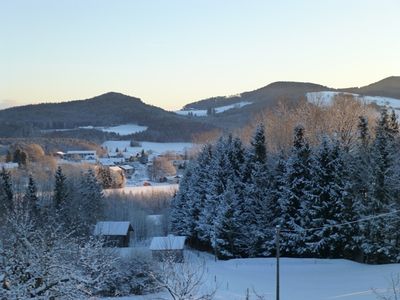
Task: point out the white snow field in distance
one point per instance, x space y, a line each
300 279
326 98
203 113
125 129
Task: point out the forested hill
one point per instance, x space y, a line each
260 100
104 110
388 87
265 95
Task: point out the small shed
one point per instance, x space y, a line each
168 248
116 234
128 170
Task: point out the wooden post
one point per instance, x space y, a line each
277 241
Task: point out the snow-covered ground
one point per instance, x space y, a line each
125 129
202 112
326 98
152 148
301 279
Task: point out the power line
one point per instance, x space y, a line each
327 226
345 223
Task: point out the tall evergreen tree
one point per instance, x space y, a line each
92 204
220 172
258 210
31 199
198 192
380 241
6 193
60 190
226 231
179 213
331 203
295 198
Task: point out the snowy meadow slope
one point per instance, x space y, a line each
301 279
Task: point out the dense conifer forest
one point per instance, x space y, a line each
331 200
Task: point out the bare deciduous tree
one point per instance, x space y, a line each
183 281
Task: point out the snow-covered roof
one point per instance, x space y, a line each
170 242
112 228
127 167
81 152
115 169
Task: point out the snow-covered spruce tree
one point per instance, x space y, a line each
91 202
221 170
179 211
258 211
30 199
277 186
197 194
6 194
295 197
60 195
236 155
331 203
380 233
227 226
361 174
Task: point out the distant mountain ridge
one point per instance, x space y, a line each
115 109
292 92
104 110
267 93
388 87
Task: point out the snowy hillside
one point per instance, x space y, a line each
221 109
326 98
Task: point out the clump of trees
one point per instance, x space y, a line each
332 200
46 248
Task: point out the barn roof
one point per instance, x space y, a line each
112 228
170 242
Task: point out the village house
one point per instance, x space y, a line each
78 155
115 233
168 248
111 161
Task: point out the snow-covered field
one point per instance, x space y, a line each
125 129
325 98
203 113
152 147
301 279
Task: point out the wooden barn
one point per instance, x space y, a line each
116 234
168 248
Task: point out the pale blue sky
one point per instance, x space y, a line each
171 52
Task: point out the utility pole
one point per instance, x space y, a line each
277 238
